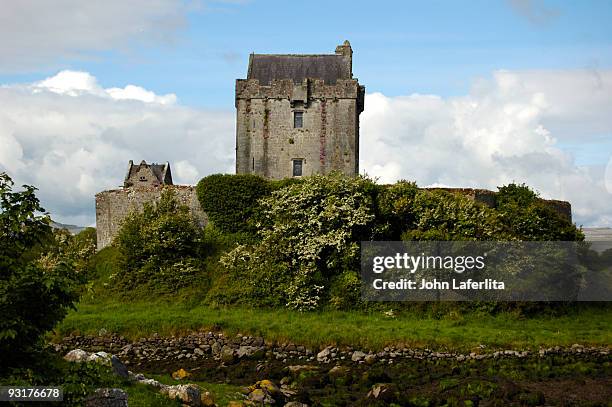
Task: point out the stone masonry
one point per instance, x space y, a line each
144 183
298 115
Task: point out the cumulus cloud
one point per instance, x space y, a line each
508 129
39 33
72 138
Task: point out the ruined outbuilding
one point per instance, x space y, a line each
143 183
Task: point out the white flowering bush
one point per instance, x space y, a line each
310 232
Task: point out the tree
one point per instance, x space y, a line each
159 246
34 295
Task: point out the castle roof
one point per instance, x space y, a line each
160 171
329 67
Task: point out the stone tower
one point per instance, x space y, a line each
298 115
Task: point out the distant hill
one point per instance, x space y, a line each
74 229
598 234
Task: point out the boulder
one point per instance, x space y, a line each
77 355
207 399
118 367
249 352
385 392
180 374
357 356
325 354
189 394
370 359
107 398
227 354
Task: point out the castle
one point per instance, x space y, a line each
296 115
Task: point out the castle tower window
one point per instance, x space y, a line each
298 120
297 167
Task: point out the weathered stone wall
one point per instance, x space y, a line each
267 142
113 206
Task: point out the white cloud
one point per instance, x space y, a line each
75 83
72 138
36 34
185 173
508 129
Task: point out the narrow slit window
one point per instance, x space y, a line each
297 168
298 120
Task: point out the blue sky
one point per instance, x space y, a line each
401 47
459 93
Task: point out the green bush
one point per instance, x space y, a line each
310 233
231 200
158 247
35 294
529 218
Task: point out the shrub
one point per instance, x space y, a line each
529 218
310 233
231 200
158 246
34 295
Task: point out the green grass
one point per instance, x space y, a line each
587 326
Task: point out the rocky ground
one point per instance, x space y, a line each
278 373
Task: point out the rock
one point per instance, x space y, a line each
370 359
206 399
339 371
382 392
77 355
180 374
100 357
189 394
118 367
107 398
269 386
260 396
215 348
227 354
357 356
324 354
249 351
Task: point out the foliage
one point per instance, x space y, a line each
231 200
76 250
34 294
529 218
309 233
79 380
417 214
158 247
